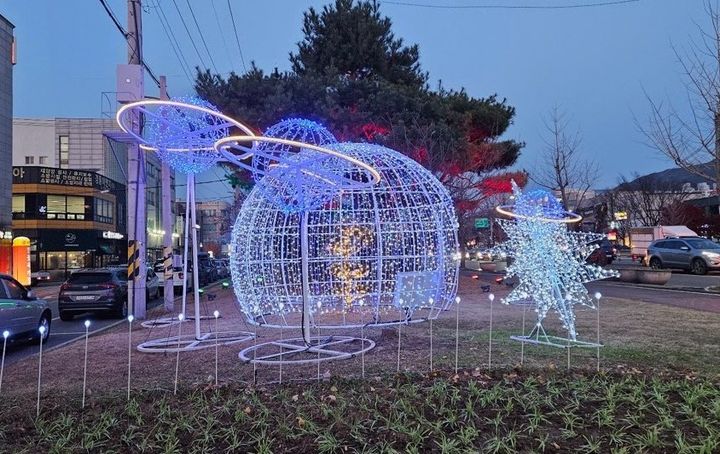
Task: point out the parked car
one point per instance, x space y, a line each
207 272
604 255
223 268
21 313
152 285
39 276
691 253
94 290
178 276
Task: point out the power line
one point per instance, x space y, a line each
114 18
202 38
173 41
222 35
187 30
497 6
237 40
125 35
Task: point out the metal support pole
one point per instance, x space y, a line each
136 173
186 240
196 264
305 271
167 223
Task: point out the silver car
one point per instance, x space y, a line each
21 313
691 253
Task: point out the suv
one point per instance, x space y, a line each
94 290
178 276
604 254
691 253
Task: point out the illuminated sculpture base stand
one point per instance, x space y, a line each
188 342
163 322
198 340
538 336
298 352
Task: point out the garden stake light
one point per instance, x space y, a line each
568 353
457 331
177 358
216 314
6 334
491 297
42 336
130 320
362 337
431 346
598 295
87 327
522 344
398 349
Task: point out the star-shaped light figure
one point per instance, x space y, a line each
549 262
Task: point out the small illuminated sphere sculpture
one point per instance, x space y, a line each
548 261
182 132
185 137
282 171
383 254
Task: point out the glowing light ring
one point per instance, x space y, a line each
123 120
223 145
570 219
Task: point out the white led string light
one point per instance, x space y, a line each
548 261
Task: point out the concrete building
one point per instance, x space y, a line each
85 144
74 218
7 60
70 143
214 219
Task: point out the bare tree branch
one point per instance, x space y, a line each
693 143
561 168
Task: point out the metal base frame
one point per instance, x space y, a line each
297 352
189 342
170 321
538 336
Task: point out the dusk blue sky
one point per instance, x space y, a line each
594 63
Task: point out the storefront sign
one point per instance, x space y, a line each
113 235
63 177
66 240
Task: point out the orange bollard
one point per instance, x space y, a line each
21 260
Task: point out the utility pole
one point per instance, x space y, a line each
137 217
167 223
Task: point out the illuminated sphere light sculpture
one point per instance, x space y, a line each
380 255
549 262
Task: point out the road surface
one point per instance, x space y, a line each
60 332
666 295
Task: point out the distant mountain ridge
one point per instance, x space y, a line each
674 178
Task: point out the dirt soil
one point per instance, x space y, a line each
635 334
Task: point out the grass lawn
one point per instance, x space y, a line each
499 411
657 390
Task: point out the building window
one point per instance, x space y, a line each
43 160
29 159
18 206
55 206
75 207
104 211
64 142
65 207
